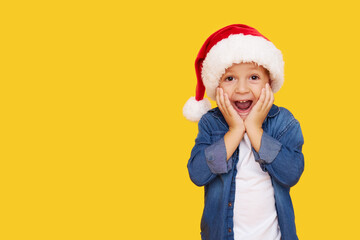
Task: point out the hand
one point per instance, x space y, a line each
257 115
236 125
261 109
232 118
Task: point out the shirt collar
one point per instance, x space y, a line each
273 111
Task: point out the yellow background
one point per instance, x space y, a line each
93 141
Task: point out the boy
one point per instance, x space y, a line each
248 152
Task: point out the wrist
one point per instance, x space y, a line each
252 126
253 129
236 134
232 140
237 129
255 135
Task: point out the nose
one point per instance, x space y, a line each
242 86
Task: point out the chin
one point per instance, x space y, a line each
243 117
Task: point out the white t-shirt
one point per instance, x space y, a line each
255 215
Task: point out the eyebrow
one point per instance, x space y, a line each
255 68
234 72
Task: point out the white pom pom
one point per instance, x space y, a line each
193 110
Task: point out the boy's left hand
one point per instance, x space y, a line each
261 109
255 119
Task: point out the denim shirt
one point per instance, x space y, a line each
280 155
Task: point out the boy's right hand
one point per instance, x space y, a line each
232 118
236 131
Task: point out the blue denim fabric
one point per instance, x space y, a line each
280 155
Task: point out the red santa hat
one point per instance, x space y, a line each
232 44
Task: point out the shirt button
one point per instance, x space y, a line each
229 230
230 204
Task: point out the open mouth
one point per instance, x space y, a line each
243 105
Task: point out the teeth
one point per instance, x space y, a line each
242 101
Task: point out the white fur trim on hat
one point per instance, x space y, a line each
193 110
240 48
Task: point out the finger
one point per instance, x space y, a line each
221 102
260 102
222 99
271 102
229 107
267 97
218 99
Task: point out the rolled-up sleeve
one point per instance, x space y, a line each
216 155
282 156
208 156
269 149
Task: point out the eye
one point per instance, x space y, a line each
254 77
229 79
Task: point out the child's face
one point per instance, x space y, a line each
243 83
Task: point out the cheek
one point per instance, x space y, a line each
257 91
227 88
257 88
